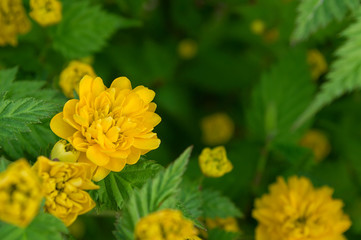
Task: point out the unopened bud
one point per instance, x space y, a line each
64 152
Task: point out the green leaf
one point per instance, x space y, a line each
215 205
3 163
7 76
316 14
85 29
117 188
43 227
344 73
219 234
156 194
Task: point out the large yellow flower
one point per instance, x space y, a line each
166 224
46 12
13 20
64 184
109 126
297 211
20 194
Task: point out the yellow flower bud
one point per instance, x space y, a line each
317 63
64 152
214 162
187 48
20 194
165 224
258 27
318 143
217 129
46 12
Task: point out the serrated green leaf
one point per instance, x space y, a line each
7 77
316 14
43 227
215 205
156 194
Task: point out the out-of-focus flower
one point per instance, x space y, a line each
257 27
77 229
70 77
317 63
297 211
13 21
214 162
227 224
317 142
111 127
64 185
46 12
20 194
165 224
217 129
271 36
187 48
63 151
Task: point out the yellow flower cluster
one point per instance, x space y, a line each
317 142
217 129
64 185
227 224
71 76
297 211
317 63
20 194
46 12
13 21
111 127
166 224
214 162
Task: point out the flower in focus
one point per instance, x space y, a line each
318 143
257 27
165 224
214 162
71 76
111 127
317 63
187 48
297 211
20 194
64 152
227 224
64 185
217 129
13 21
46 12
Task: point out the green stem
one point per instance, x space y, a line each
261 166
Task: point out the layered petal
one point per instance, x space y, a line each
60 127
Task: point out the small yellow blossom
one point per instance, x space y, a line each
318 143
46 12
20 194
258 27
64 152
229 224
297 211
271 36
187 48
217 129
64 185
111 127
13 21
317 63
165 224
71 76
214 162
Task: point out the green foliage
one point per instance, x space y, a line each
117 187
43 227
3 163
316 14
156 194
218 234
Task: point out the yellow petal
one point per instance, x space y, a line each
133 156
151 143
151 119
145 94
115 164
152 107
88 85
95 155
69 111
60 127
121 83
100 173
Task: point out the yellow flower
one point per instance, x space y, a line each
317 63
166 224
217 129
187 48
13 21
318 143
258 27
20 194
71 76
297 211
214 162
64 185
109 126
227 224
64 152
46 12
